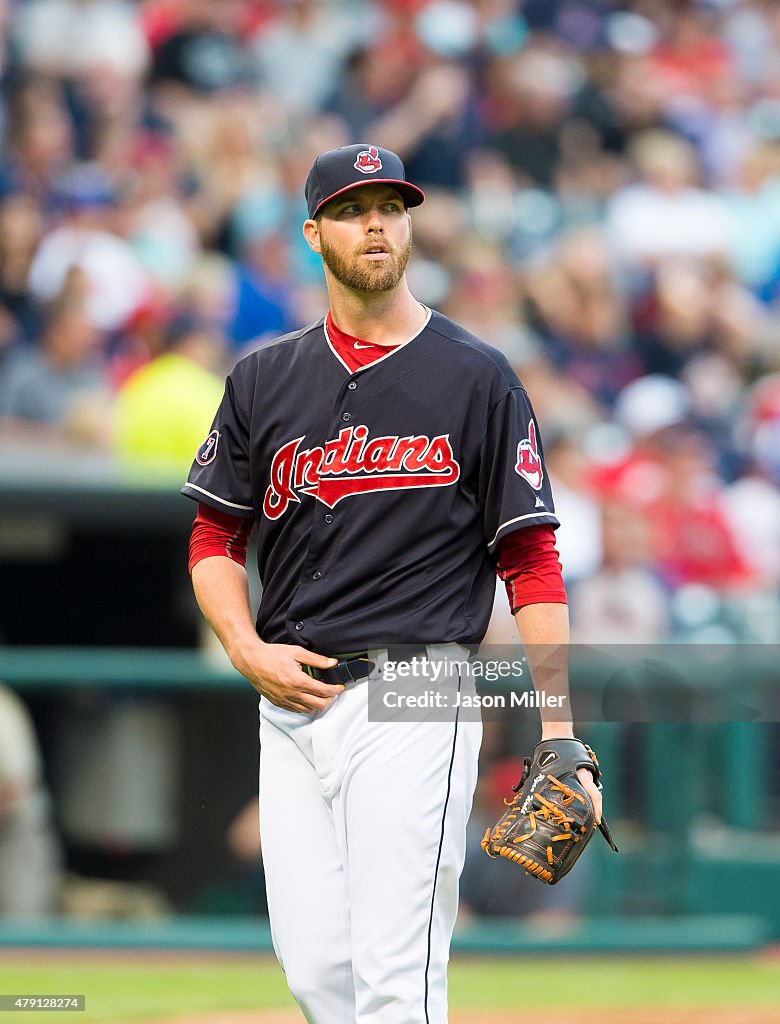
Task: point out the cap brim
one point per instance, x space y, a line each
412 195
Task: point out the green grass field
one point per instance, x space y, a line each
139 989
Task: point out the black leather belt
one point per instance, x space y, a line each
348 670
353 667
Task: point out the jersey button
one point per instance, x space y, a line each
346 416
316 575
352 385
328 518
299 626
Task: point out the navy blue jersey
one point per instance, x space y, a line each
379 496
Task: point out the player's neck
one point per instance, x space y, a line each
382 318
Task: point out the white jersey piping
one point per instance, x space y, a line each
216 497
517 519
381 359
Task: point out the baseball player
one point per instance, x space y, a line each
391 464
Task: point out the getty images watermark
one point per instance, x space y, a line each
449 681
453 684
674 683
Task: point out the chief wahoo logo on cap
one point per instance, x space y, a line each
368 161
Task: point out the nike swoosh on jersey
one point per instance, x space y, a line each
359 345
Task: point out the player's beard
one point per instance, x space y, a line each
366 276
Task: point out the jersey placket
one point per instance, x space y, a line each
324 530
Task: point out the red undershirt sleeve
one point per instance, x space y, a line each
529 566
217 533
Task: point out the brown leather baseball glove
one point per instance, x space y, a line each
549 822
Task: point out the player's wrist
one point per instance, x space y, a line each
243 651
557 730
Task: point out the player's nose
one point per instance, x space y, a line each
374 222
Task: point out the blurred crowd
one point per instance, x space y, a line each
603 205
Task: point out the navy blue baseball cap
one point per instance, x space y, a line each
338 170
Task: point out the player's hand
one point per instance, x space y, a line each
556 731
275 672
586 779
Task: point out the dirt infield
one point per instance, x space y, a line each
652 1015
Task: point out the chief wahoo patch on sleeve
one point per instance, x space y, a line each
529 461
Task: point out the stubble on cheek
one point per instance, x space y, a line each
359 274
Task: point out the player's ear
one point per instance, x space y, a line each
311 232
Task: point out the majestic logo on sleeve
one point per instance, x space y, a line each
529 461
351 464
208 450
368 161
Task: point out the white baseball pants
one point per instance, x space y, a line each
363 828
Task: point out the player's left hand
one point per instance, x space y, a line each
586 781
584 775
